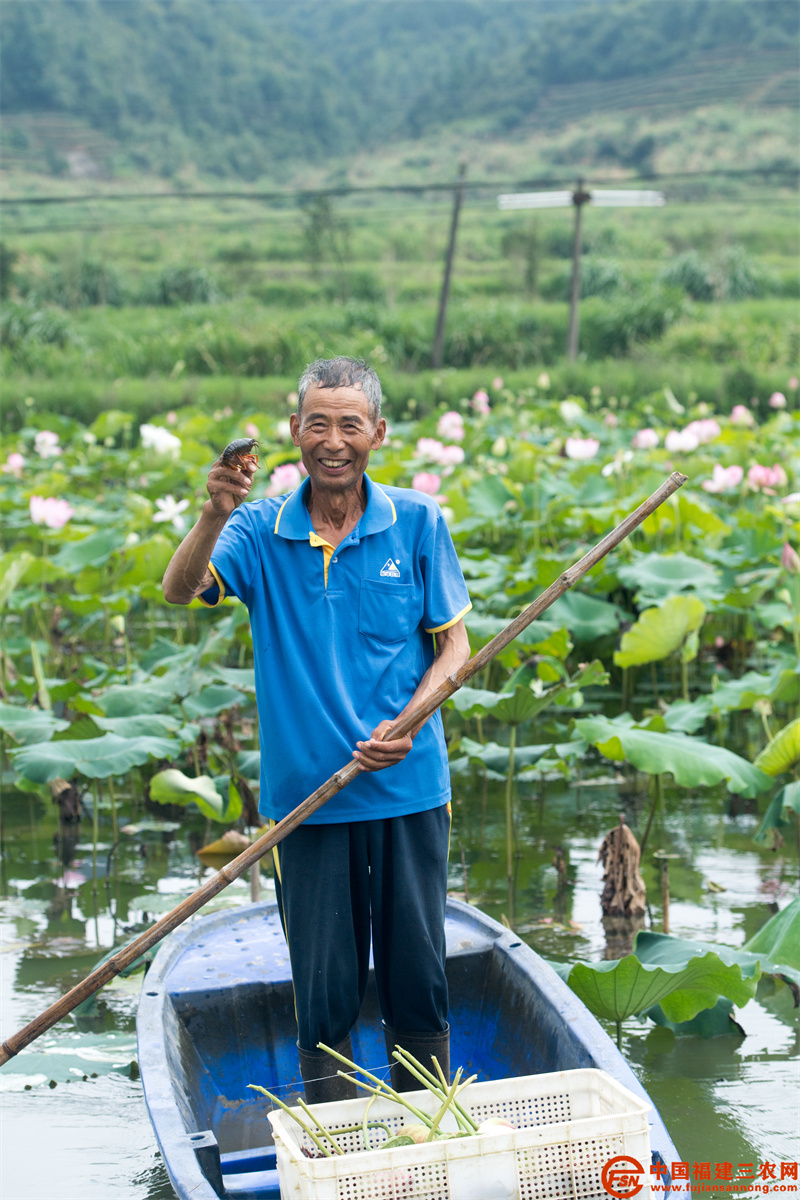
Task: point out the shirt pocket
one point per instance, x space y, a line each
388 612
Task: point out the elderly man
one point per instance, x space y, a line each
356 604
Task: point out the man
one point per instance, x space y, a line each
347 585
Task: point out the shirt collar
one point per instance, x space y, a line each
293 520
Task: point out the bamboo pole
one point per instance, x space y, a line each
340 779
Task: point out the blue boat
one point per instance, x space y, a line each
217 1013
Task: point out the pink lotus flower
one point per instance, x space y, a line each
497 383
429 448
645 439
426 481
480 403
611 419
171 418
46 444
47 510
766 479
581 448
793 384
777 400
705 430
790 559
284 478
13 464
723 478
742 416
681 441
451 426
251 430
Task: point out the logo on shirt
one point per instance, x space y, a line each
390 568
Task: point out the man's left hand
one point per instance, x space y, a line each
375 754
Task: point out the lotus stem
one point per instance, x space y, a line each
294 1116
449 1098
302 1104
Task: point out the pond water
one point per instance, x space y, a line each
74 1123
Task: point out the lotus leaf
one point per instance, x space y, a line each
92 551
212 700
779 939
488 497
586 617
660 631
134 700
148 725
659 575
787 800
29 725
664 950
12 571
783 752
173 787
147 561
711 1022
693 763
620 989
96 758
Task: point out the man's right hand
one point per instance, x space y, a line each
229 486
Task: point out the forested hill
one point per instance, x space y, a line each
238 86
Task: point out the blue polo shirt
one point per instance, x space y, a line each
341 639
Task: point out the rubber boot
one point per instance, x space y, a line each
319 1071
424 1047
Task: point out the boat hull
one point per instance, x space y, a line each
217 1013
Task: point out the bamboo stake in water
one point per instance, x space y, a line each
409 723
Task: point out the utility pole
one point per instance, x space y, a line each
438 341
579 198
620 198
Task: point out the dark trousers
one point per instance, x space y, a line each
334 882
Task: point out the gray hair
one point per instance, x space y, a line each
342 372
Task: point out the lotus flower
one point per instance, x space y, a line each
611 420
681 441
251 429
171 417
543 381
497 383
790 559
723 478
742 416
284 478
283 431
581 448
425 481
49 511
46 444
645 439
793 384
777 400
570 411
705 430
451 426
170 509
429 448
480 403
766 479
155 437
13 464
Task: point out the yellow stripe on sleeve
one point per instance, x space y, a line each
220 585
449 624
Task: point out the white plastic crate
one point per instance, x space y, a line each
567 1126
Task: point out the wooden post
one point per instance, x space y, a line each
579 198
438 341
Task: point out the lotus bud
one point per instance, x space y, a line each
790 559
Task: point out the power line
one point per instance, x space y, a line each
790 174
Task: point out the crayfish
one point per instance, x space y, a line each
240 453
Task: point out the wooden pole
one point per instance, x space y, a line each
407 724
579 198
438 341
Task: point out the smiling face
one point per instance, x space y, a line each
335 434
